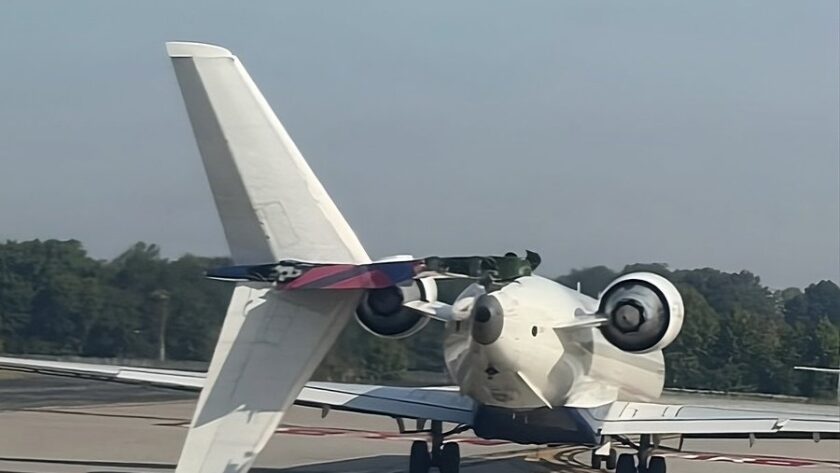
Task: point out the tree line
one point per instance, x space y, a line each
55 299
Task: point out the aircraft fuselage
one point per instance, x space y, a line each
529 364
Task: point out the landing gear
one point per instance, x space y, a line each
445 456
644 461
449 460
419 461
625 464
612 459
609 460
656 464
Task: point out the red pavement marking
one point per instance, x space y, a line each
709 457
754 460
785 462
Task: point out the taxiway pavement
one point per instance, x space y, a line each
58 425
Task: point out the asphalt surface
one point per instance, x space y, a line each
26 391
65 425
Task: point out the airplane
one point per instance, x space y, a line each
533 361
817 369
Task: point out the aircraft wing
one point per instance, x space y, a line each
620 419
189 380
436 403
272 207
720 420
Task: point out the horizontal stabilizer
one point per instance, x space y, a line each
290 274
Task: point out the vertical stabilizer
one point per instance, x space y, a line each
270 202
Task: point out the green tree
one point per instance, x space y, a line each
737 334
197 307
814 320
690 359
592 280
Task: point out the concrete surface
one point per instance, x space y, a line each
67 425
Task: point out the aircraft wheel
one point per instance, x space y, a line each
419 461
596 461
656 464
449 460
611 459
626 464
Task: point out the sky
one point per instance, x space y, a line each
698 134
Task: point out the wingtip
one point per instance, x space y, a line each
187 49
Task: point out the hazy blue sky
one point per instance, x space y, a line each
692 133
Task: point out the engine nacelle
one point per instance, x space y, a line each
382 313
645 310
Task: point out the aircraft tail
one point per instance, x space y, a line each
271 204
817 369
272 208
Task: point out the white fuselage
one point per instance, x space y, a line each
533 364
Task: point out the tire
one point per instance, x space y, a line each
450 458
626 464
596 461
419 461
611 459
656 464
